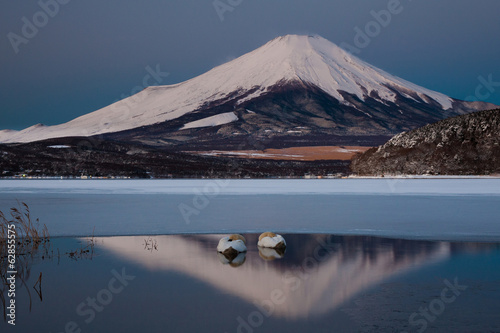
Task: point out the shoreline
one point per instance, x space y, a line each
264 178
457 239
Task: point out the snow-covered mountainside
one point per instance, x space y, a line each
220 119
291 81
5 134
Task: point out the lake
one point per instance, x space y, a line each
323 283
451 209
363 255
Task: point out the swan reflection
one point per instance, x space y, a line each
271 254
233 259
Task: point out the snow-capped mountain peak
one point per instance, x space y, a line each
307 60
313 60
317 61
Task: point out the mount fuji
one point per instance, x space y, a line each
294 90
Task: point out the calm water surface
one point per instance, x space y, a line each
322 283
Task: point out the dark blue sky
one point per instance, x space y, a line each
91 53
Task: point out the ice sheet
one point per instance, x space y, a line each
455 209
389 186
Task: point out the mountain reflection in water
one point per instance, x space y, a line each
179 283
316 274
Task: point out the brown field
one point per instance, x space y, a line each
344 153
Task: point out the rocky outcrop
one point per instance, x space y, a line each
463 145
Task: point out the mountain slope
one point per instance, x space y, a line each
464 145
292 81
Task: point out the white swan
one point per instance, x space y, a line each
232 244
271 240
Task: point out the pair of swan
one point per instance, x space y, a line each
234 244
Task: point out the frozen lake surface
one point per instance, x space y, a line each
453 209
